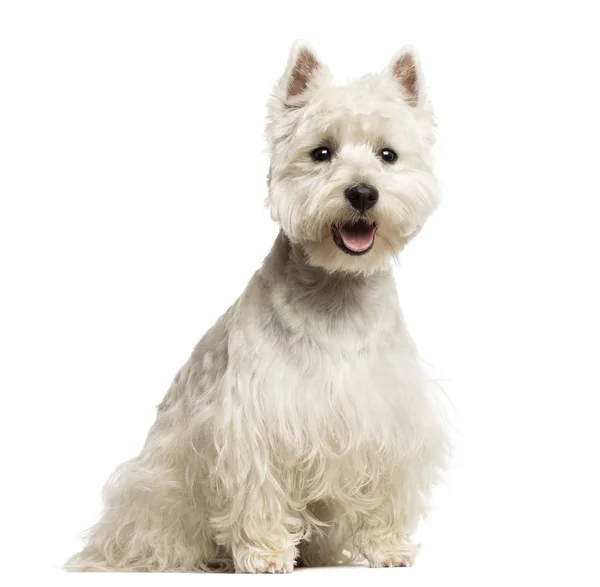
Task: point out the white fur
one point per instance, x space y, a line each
301 427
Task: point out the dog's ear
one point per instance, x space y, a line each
304 70
405 68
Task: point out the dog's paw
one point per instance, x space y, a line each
400 555
253 561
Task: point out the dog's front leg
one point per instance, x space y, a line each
385 545
256 526
382 535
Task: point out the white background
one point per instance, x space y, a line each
132 180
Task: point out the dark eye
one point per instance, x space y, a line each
388 155
321 154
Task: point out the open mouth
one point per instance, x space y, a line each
354 238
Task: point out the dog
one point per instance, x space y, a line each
302 429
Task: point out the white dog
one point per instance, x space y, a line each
301 430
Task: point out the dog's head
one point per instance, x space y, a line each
351 176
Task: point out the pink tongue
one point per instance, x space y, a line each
357 239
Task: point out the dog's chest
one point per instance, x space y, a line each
351 385
320 379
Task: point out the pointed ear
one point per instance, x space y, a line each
405 68
303 70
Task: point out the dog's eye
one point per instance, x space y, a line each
388 155
321 154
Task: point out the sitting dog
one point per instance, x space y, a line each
301 429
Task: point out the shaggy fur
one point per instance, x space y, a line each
301 430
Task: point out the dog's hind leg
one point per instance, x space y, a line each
154 517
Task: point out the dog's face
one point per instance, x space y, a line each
351 176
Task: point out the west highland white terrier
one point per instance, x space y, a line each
302 429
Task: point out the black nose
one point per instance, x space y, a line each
362 196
